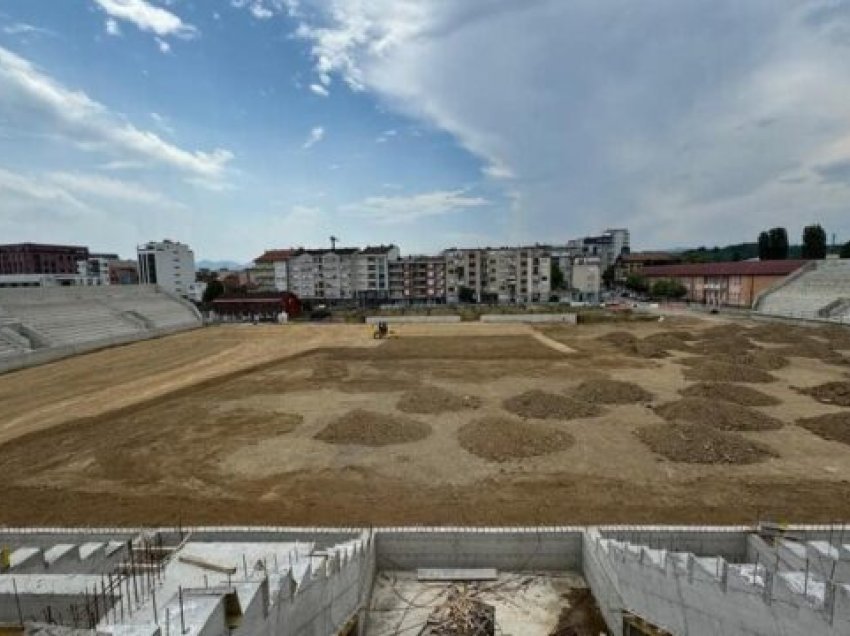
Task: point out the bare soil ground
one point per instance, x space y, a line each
220 426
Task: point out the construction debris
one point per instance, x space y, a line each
461 614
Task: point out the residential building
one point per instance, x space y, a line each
323 274
271 270
586 279
36 258
733 284
418 280
95 268
517 275
169 264
607 247
370 272
464 274
631 264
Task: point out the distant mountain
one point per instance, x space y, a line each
217 265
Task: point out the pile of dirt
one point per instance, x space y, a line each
612 392
712 371
501 439
432 399
696 444
812 348
581 616
837 393
645 349
759 359
729 344
734 393
836 336
670 341
543 405
834 427
618 338
368 428
725 416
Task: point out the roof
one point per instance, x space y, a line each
731 268
377 249
271 256
642 257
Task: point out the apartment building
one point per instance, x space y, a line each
371 272
271 270
322 274
464 274
607 246
418 280
517 275
37 258
586 279
169 264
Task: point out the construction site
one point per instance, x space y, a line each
463 478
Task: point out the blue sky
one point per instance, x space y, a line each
240 125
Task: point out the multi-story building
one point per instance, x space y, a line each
371 272
35 258
169 264
418 280
95 269
631 264
517 275
607 247
586 279
271 271
464 274
123 272
324 274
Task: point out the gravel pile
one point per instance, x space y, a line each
612 392
432 399
368 428
725 416
670 341
695 444
834 427
811 348
837 393
618 338
502 439
734 393
543 405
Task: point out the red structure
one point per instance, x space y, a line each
34 258
260 306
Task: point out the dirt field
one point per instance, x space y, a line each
299 425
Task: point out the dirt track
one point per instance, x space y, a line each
221 425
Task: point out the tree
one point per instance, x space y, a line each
556 276
777 244
814 242
466 295
668 289
764 246
609 276
845 250
215 288
637 283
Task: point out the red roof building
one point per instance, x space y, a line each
733 284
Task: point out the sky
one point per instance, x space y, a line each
241 125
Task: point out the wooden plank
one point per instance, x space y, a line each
206 565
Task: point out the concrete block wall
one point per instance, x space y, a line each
400 320
571 319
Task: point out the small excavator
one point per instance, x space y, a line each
382 331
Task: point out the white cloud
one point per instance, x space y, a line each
21 190
147 17
261 12
318 89
265 9
404 209
112 27
315 136
385 136
28 95
107 188
22 28
584 122
164 47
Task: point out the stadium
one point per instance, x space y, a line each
451 451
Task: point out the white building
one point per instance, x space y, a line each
371 271
96 269
517 275
464 271
586 279
169 264
322 274
271 270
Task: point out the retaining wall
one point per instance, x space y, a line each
564 318
398 320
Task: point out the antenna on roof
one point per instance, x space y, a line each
333 243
